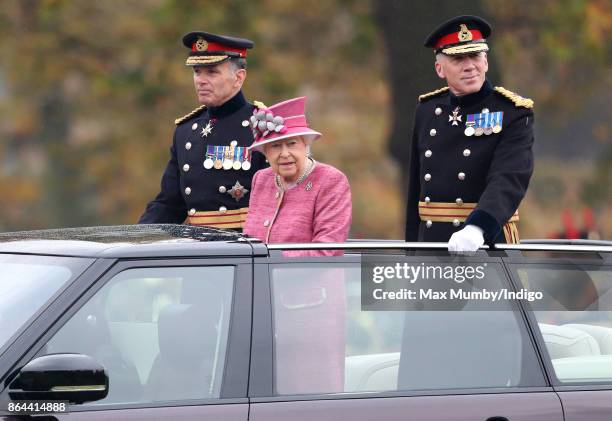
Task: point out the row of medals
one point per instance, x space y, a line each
228 162
479 131
485 117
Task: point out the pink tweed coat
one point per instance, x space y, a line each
317 210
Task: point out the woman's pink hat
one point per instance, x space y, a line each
281 121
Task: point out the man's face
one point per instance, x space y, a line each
218 83
464 74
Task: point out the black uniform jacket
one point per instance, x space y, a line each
187 186
448 166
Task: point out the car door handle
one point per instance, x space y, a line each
497 419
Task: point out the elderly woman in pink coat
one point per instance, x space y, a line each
297 199
300 200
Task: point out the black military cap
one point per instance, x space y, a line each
461 35
207 49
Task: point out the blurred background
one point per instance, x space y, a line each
89 91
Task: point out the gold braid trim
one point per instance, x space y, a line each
466 48
518 100
188 116
204 60
433 93
259 104
511 233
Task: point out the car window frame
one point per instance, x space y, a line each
589 259
46 317
87 263
261 383
235 375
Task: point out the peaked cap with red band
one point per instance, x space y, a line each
207 49
461 35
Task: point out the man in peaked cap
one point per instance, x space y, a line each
471 157
208 177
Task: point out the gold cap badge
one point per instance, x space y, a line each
464 33
201 44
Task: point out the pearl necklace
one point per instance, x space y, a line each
310 167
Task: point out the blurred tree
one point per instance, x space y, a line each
560 53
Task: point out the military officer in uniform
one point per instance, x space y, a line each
471 157
208 177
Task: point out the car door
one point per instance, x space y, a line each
173 336
327 349
573 325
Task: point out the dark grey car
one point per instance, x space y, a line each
177 322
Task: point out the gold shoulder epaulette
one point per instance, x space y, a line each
188 116
433 93
259 104
518 100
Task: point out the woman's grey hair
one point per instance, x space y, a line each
307 141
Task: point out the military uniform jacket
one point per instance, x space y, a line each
204 196
450 169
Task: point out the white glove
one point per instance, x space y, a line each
466 242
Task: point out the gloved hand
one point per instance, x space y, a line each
466 241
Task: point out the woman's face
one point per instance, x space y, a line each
287 157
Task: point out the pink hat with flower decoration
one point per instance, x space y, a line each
281 121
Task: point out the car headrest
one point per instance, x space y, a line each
93 330
564 342
186 331
603 335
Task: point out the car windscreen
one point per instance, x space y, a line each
27 283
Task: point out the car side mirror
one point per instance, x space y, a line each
75 378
